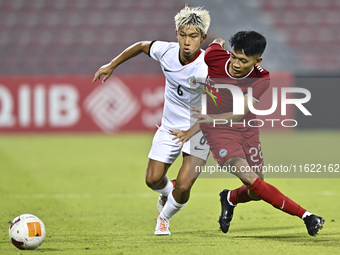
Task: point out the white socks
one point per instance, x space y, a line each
306 214
228 199
171 208
167 189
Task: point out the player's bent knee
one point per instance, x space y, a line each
151 182
248 181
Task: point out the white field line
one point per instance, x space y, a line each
135 195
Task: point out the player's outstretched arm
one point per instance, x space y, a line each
220 41
128 53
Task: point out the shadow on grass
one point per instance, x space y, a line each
65 249
257 229
322 240
232 231
260 233
49 249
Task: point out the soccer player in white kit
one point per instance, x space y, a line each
181 62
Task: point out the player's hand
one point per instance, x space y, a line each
181 136
202 118
104 70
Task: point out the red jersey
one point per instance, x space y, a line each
218 61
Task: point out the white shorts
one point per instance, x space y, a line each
165 150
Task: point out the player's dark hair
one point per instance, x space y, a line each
251 42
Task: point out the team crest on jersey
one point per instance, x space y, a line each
223 153
192 80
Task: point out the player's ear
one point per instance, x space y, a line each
177 34
203 38
258 60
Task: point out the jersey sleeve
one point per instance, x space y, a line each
157 48
213 54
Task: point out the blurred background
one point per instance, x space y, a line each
46 39
77 36
85 186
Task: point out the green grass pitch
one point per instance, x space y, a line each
90 193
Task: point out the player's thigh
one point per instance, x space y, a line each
163 148
225 146
240 168
197 146
163 153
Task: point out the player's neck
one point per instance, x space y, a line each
187 60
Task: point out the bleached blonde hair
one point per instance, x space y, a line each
197 17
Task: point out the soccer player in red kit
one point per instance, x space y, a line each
238 145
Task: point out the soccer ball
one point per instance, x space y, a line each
27 232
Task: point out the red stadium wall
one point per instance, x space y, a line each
74 104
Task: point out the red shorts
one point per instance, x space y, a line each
226 144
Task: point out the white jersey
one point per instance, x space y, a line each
180 97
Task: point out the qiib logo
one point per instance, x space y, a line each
240 102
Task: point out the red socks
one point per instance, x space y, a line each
240 195
273 196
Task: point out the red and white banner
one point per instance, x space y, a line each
75 104
72 104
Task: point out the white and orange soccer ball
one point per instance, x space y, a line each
27 232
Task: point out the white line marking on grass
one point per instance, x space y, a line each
46 196
79 196
131 195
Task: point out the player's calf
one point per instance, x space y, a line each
181 192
